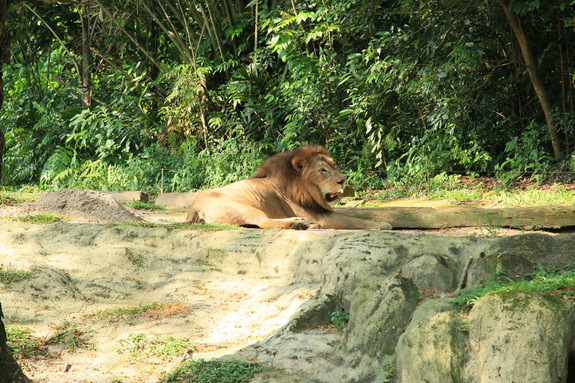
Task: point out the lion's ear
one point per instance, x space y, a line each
300 163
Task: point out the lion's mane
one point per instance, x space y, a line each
285 171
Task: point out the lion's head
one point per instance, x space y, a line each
307 176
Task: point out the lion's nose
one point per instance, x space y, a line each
342 182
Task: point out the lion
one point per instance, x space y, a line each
291 190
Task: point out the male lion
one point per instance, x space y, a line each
293 189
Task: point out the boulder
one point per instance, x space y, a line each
521 337
434 346
380 312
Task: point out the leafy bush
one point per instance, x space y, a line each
526 155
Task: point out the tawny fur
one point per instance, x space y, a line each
293 189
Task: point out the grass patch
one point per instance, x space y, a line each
13 198
23 344
9 275
70 337
160 347
201 371
179 226
44 218
131 315
532 197
145 206
560 283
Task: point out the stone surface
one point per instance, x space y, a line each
521 337
380 312
268 296
434 346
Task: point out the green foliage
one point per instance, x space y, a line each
201 371
145 205
201 92
555 282
42 218
179 226
390 371
339 319
9 275
22 343
70 336
12 198
526 155
125 313
164 347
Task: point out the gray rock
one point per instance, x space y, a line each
521 337
434 346
380 312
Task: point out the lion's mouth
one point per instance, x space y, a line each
331 197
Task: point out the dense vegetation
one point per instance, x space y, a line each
172 96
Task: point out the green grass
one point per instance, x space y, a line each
554 282
43 218
179 226
12 198
9 275
163 347
71 337
201 371
133 314
23 344
457 193
125 314
532 197
145 206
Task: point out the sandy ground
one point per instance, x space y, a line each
83 268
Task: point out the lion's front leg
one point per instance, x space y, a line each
342 221
295 223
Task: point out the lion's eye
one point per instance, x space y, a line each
323 171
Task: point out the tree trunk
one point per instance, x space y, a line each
536 81
10 371
4 58
86 56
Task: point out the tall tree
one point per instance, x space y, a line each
4 58
538 84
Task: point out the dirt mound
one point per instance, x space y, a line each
80 206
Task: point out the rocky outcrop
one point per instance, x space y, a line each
397 289
521 337
270 294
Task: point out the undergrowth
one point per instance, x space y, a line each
178 226
23 344
154 346
145 206
132 314
71 337
554 282
42 218
10 275
202 371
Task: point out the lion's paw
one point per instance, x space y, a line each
385 226
300 224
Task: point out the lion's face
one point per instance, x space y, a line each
320 172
